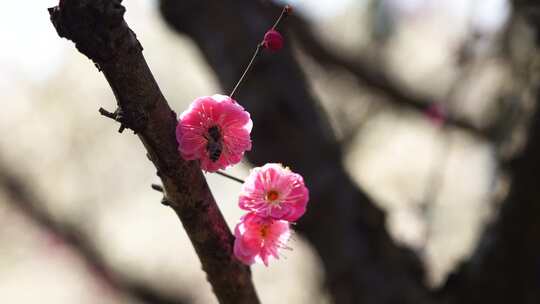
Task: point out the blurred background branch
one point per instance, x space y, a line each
371 75
344 225
506 264
23 197
349 234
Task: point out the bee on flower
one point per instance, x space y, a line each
214 130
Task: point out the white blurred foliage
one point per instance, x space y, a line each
320 8
484 16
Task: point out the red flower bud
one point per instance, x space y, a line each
273 40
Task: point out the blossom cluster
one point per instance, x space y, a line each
274 196
215 131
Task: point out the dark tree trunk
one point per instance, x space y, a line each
362 263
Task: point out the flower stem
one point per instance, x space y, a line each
236 179
257 50
286 10
284 13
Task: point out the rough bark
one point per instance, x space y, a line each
362 263
99 31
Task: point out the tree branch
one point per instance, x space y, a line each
24 199
371 76
99 31
361 262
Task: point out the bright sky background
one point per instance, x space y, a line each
320 8
31 49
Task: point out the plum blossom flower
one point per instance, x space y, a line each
259 238
274 191
215 130
273 40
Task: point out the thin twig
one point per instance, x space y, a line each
157 187
257 51
107 114
285 12
236 179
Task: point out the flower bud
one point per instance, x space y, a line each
273 41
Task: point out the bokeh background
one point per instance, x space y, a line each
430 166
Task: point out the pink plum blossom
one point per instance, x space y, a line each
258 238
214 130
274 191
273 40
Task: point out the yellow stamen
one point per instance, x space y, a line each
272 195
264 231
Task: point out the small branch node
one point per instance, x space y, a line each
157 187
165 202
108 114
122 128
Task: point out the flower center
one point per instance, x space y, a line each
264 231
272 196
